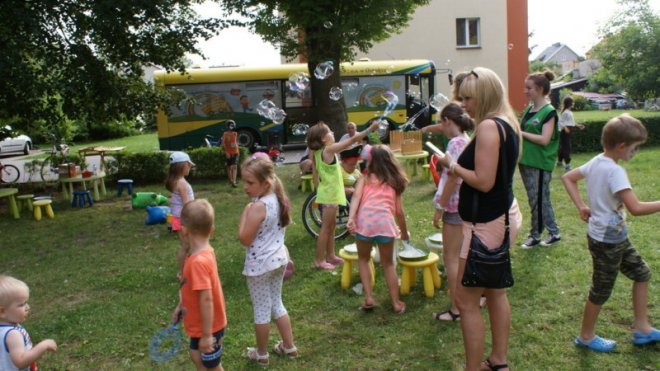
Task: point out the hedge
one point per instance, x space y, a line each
151 168
588 140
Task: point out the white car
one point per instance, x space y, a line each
21 143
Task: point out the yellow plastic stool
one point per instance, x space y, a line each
347 270
431 275
46 204
24 200
427 171
307 183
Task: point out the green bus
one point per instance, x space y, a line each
213 96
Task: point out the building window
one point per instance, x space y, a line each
467 33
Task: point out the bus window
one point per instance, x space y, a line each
417 97
265 90
297 98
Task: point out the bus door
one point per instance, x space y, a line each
299 112
418 93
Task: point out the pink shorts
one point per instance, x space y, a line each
176 223
492 233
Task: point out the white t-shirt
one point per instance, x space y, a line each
605 178
566 119
267 251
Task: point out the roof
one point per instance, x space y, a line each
552 50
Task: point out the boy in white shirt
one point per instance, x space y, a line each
608 191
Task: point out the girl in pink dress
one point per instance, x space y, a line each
377 216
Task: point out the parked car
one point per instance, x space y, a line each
20 143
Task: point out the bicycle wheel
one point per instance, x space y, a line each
312 216
46 172
9 174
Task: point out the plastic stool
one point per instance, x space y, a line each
307 183
431 275
46 204
121 183
347 270
80 198
25 200
427 171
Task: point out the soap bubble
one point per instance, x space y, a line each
383 124
349 86
327 24
265 107
336 93
391 100
438 101
324 70
298 81
299 129
389 69
278 115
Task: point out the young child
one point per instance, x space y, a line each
566 126
330 190
261 231
16 350
453 123
608 190
202 302
377 216
182 193
230 143
350 172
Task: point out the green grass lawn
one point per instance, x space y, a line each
596 115
102 283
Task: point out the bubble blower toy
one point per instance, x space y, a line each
437 151
167 343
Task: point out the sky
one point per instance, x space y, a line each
571 22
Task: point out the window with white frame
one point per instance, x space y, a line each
468 33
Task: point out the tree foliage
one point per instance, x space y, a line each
83 60
325 30
629 49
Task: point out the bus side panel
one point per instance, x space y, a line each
364 98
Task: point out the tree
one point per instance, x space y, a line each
82 60
629 49
325 30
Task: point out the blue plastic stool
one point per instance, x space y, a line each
80 198
121 183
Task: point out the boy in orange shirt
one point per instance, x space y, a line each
202 302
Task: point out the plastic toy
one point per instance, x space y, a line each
156 214
144 199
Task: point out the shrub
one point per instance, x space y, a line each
588 140
581 103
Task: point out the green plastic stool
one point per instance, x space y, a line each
25 200
307 183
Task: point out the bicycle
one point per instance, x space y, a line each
9 174
49 167
312 215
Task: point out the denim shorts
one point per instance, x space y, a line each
374 239
214 358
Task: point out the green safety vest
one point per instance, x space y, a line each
536 155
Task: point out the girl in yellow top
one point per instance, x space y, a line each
330 186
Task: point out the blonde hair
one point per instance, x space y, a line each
386 168
9 288
174 174
315 135
455 87
198 216
264 171
623 129
485 87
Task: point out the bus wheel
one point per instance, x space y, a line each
245 138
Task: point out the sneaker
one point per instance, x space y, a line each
641 338
567 167
597 344
551 240
531 242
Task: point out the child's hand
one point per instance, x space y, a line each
585 213
179 311
50 344
374 126
445 161
207 344
437 217
351 226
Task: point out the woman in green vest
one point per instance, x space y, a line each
540 143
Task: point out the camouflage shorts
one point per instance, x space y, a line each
608 259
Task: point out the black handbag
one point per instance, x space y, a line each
490 268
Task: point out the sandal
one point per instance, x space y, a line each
453 317
325 266
335 261
367 308
493 367
290 353
253 355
